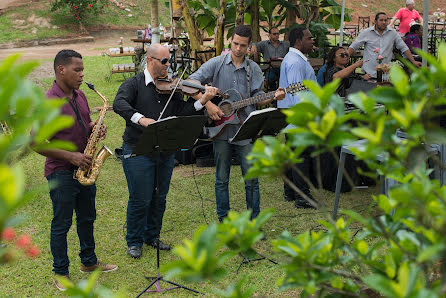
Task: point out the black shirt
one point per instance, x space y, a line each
135 97
345 83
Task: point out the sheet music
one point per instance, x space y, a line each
257 113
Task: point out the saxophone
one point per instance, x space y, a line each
89 176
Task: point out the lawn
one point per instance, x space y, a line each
17 23
190 204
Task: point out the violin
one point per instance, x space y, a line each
187 87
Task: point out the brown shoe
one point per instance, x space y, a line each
103 267
58 284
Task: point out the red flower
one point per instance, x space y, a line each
75 7
8 234
33 252
78 17
89 5
23 241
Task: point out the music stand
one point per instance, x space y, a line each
259 123
167 135
269 121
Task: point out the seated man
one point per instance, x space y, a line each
379 40
271 49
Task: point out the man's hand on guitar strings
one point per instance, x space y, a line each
280 94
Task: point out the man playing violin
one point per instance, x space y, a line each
138 102
234 71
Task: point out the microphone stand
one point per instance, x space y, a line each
156 279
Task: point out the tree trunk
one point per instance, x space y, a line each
254 9
154 19
240 13
290 18
195 36
220 29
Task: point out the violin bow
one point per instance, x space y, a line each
174 89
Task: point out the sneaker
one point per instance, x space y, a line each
58 284
102 266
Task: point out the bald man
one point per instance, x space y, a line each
138 102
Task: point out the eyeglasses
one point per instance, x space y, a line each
275 33
343 55
163 61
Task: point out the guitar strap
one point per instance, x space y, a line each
248 77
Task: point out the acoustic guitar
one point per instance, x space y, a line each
234 102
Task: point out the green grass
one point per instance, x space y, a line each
68 25
184 214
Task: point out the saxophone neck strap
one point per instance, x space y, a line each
78 115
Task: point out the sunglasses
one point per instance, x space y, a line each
343 55
163 61
275 33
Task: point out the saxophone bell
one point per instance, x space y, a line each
88 177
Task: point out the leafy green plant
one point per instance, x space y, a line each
23 108
203 257
28 121
86 288
398 253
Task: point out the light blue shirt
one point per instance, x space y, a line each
295 68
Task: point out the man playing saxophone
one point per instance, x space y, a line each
66 193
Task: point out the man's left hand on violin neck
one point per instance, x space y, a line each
209 93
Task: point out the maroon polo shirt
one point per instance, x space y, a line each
75 133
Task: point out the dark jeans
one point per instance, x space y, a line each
223 157
145 211
67 194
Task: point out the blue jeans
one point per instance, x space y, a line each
67 194
144 211
223 156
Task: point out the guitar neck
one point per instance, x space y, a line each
266 96
253 100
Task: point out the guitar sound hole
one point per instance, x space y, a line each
226 108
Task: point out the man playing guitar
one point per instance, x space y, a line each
234 71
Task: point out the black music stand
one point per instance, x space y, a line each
269 121
167 135
259 123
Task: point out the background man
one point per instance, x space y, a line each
406 15
234 71
381 38
295 69
138 102
66 193
272 48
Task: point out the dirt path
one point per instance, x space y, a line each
11 3
101 44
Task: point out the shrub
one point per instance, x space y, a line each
80 8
